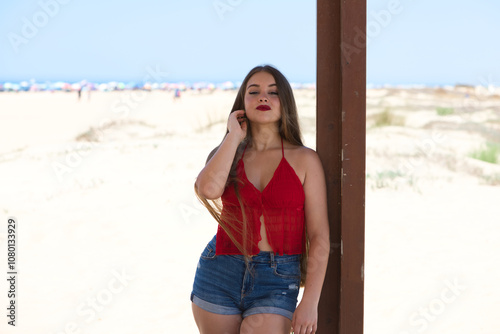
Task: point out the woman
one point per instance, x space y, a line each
272 191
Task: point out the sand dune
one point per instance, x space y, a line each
110 230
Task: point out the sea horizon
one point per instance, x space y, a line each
61 84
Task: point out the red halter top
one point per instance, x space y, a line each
281 203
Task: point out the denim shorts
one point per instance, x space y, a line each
224 284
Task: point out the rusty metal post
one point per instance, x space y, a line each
341 136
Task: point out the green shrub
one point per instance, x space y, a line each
441 111
488 153
392 179
386 118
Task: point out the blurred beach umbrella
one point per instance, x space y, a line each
112 85
200 85
24 86
11 87
57 85
121 86
76 86
130 85
34 88
66 87
227 85
82 85
103 87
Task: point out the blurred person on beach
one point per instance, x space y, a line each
89 91
177 94
267 192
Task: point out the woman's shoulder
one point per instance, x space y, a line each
301 152
302 158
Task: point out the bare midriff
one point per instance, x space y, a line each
263 243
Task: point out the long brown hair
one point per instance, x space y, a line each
288 127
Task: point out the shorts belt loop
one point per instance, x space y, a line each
273 262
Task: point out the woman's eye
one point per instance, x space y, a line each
252 93
274 93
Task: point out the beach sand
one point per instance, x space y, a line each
109 229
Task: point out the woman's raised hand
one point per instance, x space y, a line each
237 124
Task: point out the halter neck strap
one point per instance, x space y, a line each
244 150
282 149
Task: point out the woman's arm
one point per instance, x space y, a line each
316 216
212 179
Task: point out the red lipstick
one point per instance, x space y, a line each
263 107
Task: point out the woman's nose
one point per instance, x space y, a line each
263 98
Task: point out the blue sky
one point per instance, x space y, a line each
425 41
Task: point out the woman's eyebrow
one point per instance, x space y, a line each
252 85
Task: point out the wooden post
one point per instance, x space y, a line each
341 136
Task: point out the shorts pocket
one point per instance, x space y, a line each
208 253
289 270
